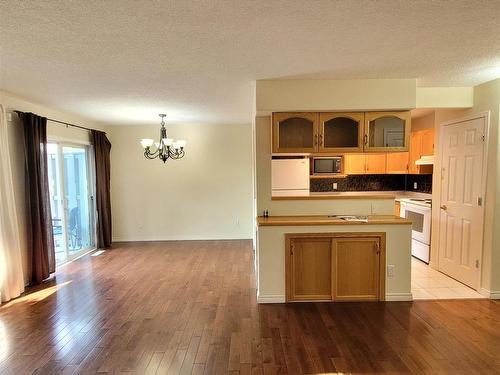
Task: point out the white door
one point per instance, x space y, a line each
461 214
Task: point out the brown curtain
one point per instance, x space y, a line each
102 149
41 256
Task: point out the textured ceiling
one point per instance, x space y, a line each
125 61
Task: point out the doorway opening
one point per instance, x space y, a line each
71 186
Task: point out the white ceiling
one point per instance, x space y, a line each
125 61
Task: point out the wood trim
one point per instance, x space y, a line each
340 195
325 220
403 115
280 116
356 116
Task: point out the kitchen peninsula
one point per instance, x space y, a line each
323 258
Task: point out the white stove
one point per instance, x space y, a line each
418 210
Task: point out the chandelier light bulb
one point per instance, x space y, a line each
147 142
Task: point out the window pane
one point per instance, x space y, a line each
77 198
387 132
56 202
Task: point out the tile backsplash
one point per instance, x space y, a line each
374 182
423 181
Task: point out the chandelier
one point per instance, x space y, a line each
166 148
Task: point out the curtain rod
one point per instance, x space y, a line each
19 113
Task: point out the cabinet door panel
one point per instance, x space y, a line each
341 132
387 131
427 142
415 148
354 164
311 265
397 162
356 268
375 163
295 132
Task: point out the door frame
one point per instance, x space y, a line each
436 214
62 142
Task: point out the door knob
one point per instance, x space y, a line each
443 207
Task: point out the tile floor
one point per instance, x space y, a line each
427 283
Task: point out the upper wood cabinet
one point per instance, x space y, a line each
341 132
427 141
295 132
387 131
397 162
365 163
422 144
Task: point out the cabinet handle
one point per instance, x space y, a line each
321 139
377 247
315 139
366 139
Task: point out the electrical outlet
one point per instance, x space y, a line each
415 185
335 186
390 270
237 222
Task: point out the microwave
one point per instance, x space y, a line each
327 165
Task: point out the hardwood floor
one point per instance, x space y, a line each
190 308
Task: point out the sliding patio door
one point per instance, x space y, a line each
71 186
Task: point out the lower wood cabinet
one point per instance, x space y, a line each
311 260
335 267
356 269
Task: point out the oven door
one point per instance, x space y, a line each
421 221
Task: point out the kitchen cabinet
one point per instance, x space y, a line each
422 143
427 147
310 269
387 131
341 132
295 132
397 162
365 163
335 266
356 268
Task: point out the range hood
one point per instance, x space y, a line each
425 160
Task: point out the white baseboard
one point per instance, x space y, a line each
194 237
484 292
271 299
392 297
495 295
489 294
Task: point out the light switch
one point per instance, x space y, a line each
334 186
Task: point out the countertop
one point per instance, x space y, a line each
327 220
304 195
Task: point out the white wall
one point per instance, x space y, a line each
205 195
339 95
16 146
